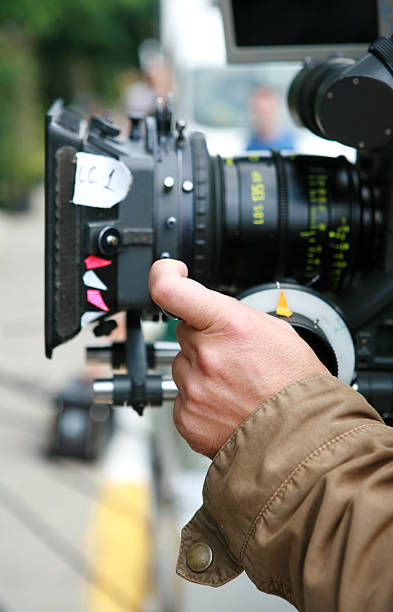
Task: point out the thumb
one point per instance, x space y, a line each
172 290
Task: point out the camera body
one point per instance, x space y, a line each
320 229
88 246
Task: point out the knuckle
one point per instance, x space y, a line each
207 359
239 319
235 326
177 369
176 361
181 418
239 329
192 391
179 331
185 425
182 332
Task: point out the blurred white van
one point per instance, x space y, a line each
211 95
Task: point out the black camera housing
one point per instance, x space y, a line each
236 222
73 233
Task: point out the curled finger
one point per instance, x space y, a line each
186 337
180 371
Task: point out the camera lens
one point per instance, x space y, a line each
267 217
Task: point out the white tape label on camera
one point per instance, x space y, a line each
100 181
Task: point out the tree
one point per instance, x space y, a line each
59 48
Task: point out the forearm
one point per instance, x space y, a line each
301 498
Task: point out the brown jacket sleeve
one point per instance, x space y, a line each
301 498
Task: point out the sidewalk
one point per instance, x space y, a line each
49 509
76 537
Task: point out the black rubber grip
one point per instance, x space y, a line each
282 193
203 222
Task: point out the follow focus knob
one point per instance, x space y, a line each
315 319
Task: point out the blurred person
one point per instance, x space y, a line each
156 81
264 107
300 490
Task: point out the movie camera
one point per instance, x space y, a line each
317 230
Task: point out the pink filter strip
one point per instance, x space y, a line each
94 297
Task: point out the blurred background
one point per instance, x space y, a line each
84 52
92 502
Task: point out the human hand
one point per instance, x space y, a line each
232 357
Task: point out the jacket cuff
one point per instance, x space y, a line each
252 466
204 556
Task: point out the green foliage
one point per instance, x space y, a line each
21 143
40 17
59 48
99 36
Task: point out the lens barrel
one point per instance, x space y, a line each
272 217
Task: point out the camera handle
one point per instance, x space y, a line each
376 386
137 387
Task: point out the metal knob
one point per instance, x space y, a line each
165 352
103 389
169 389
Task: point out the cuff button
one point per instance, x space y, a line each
199 557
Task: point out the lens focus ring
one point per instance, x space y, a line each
203 222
